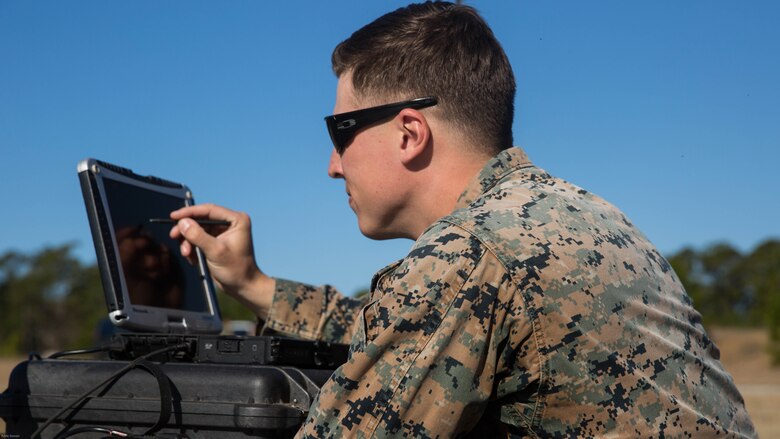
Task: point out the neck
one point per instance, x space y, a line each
440 185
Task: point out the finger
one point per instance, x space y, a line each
210 211
184 211
175 233
189 253
195 234
186 248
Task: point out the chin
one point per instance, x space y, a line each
379 233
381 236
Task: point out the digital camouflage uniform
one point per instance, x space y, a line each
535 309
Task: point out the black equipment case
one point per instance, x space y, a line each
208 400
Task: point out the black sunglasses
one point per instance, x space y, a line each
342 127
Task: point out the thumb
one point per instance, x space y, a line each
195 234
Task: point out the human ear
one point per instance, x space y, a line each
416 136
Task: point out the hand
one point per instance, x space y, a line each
229 253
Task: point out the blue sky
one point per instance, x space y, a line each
668 109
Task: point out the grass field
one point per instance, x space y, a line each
743 351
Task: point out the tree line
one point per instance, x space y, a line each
50 300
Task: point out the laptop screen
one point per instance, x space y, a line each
155 272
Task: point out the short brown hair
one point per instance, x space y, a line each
440 49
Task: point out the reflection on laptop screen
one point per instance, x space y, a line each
155 272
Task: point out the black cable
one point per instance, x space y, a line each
79 352
117 374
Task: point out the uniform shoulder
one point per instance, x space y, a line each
529 210
447 241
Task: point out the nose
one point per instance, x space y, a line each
334 166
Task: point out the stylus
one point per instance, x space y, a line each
202 222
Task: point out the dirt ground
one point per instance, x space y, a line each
743 352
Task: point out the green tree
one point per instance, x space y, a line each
727 296
49 300
231 309
760 271
12 266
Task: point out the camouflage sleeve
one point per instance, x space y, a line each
314 313
423 360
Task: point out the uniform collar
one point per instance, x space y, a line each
382 273
494 170
506 162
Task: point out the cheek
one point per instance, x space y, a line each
369 166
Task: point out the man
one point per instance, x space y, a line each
526 307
